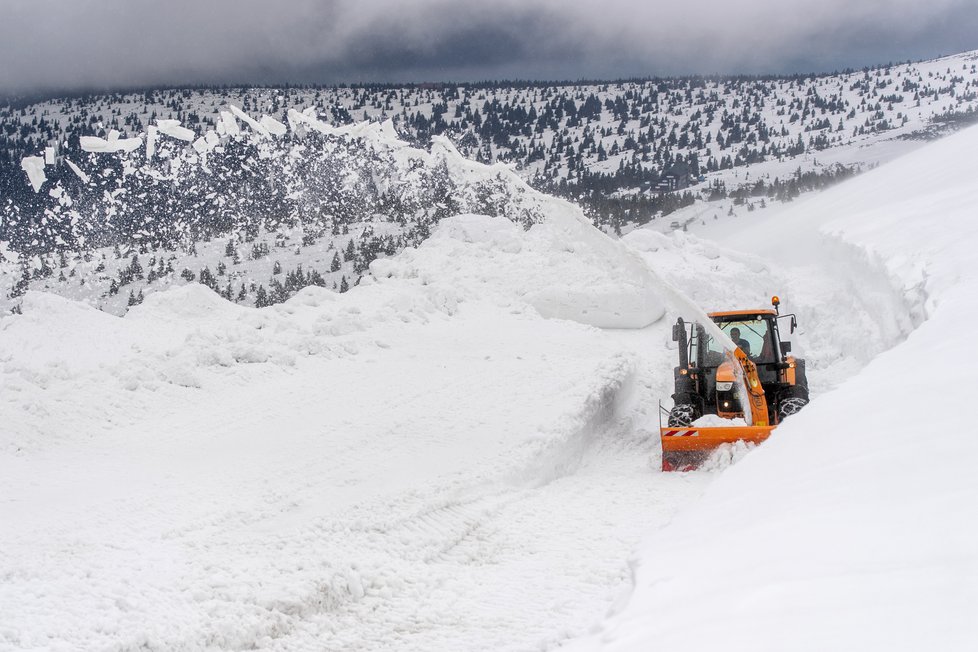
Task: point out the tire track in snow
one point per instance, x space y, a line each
531 529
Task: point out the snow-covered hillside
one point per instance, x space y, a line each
856 526
609 145
258 207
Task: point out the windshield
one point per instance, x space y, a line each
751 334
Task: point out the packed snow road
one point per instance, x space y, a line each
408 466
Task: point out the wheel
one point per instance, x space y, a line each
682 415
791 405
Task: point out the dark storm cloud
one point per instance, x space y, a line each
48 44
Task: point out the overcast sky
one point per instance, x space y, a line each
67 44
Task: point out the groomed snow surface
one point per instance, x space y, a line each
461 453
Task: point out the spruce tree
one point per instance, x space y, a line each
276 292
315 278
21 286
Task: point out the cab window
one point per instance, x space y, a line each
751 335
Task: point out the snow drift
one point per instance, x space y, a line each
855 526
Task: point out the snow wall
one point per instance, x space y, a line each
855 527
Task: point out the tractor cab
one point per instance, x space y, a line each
756 333
708 375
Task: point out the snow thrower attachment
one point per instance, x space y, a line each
723 396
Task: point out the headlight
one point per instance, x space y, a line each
725 387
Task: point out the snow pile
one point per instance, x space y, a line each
713 421
562 267
332 471
855 526
726 455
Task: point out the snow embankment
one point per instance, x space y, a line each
335 471
855 527
563 267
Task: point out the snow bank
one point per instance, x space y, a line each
328 471
849 307
561 269
856 525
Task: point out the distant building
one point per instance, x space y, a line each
676 177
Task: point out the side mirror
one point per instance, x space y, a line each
785 347
675 332
794 323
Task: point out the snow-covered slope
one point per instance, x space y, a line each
855 527
607 144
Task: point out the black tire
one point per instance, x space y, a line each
683 415
790 405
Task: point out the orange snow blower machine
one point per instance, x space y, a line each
757 384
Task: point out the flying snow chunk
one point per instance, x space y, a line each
248 120
273 126
34 167
202 145
150 142
102 145
173 129
228 126
308 119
